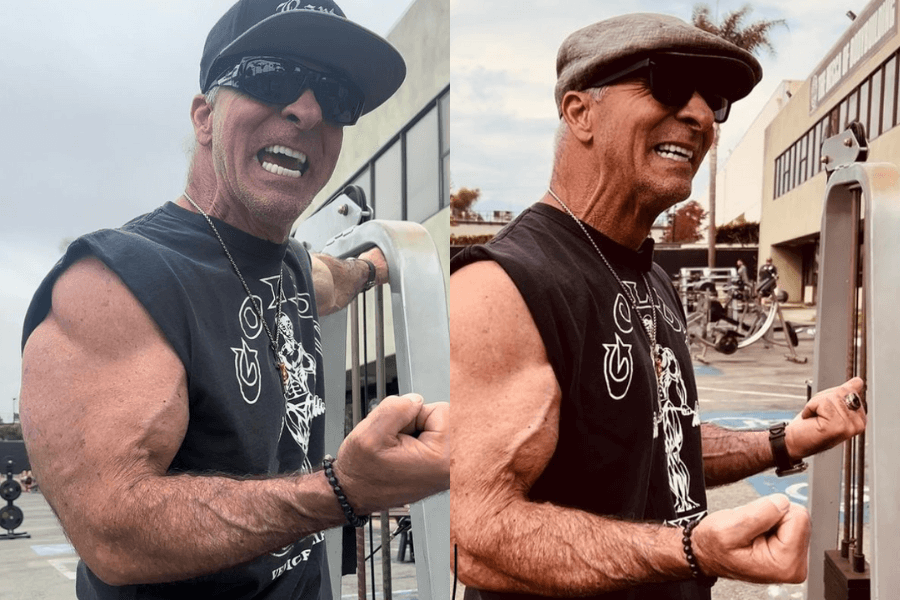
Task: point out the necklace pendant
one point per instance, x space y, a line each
656 356
284 373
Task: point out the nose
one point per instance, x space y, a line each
304 112
698 111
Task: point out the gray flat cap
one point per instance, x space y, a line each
605 47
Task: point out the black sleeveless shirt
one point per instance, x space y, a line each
241 422
624 450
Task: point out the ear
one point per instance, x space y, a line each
576 110
201 117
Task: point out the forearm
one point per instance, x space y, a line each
170 528
337 281
549 550
730 455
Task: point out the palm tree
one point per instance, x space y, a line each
752 38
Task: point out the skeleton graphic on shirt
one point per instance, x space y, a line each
672 400
302 404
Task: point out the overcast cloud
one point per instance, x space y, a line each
95 127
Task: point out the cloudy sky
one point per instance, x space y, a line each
94 127
503 71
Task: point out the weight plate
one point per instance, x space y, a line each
10 517
10 489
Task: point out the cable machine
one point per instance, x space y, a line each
343 228
858 334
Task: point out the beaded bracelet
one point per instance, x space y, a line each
352 518
702 579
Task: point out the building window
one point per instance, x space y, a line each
409 177
444 107
876 105
803 165
389 184
890 93
423 172
864 105
364 180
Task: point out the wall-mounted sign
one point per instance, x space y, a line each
875 26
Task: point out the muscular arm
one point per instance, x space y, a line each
104 410
503 432
824 422
337 281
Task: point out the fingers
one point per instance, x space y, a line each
395 415
855 385
765 541
826 421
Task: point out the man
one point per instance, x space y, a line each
577 466
172 389
742 272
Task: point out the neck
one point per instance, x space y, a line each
234 214
619 221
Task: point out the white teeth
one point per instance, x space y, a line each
279 170
673 152
287 152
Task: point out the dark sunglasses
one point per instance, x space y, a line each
281 81
671 86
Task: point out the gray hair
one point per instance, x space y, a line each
562 130
191 146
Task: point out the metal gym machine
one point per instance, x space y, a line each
343 228
858 333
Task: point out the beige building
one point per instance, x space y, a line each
856 80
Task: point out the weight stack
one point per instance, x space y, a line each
842 582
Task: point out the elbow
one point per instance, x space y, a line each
474 534
110 567
111 561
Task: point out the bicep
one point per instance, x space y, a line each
104 400
504 395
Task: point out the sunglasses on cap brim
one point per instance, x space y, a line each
281 81
671 85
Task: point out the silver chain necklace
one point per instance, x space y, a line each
650 330
273 340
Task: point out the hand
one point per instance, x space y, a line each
382 465
765 541
825 421
376 257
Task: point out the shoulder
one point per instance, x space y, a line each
90 302
490 322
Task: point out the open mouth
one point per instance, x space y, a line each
673 152
284 161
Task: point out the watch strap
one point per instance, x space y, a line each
783 463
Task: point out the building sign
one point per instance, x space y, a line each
875 26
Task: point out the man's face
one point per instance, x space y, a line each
648 148
271 159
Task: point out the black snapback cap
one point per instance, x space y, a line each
316 30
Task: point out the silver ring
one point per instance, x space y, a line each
852 401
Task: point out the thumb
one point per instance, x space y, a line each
761 515
395 414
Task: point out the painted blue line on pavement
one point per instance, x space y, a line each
53 549
701 369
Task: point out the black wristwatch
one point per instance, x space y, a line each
373 274
783 464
